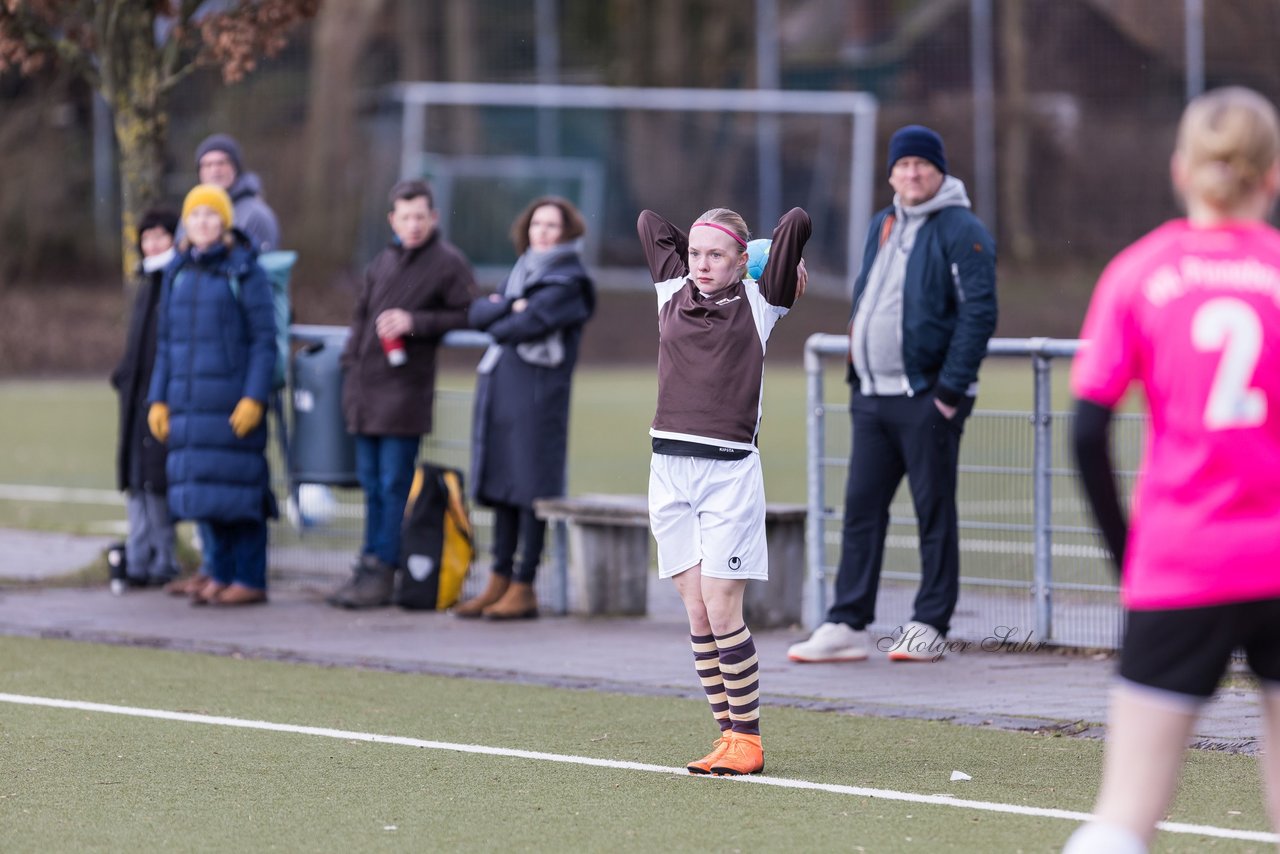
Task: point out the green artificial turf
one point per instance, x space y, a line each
85 781
63 434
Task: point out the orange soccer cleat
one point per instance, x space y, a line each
703 765
744 756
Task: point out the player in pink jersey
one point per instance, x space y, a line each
1192 313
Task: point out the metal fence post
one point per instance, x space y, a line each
1042 491
815 586
560 563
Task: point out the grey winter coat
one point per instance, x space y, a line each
253 215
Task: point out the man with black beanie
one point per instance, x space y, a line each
924 307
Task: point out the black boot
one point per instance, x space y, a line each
370 587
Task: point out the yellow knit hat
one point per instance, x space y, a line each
213 196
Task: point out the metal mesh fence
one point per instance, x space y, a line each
1000 529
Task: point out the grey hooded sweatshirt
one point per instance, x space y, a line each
877 326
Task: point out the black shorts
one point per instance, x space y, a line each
1187 650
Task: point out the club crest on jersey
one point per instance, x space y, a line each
727 300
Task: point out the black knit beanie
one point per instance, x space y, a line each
917 141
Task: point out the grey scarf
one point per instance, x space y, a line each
547 352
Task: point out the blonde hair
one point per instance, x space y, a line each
1228 138
731 220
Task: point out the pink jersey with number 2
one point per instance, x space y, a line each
1194 316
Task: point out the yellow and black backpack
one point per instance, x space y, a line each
436 546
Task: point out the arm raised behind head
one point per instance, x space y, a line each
781 278
666 248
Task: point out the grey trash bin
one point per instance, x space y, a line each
321 451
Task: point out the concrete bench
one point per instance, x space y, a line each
608 558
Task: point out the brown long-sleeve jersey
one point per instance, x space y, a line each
711 348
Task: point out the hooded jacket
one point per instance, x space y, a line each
253 215
924 303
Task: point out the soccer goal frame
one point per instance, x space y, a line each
860 107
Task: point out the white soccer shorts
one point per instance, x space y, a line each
709 512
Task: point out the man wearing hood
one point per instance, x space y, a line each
924 307
218 161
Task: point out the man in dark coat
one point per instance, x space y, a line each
415 290
140 457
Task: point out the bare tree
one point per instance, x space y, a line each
1015 164
133 52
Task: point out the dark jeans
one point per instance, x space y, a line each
514 524
236 552
893 436
384 466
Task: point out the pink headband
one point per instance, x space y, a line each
741 242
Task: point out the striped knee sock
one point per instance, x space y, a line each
706 660
740 669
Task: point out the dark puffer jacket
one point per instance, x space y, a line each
212 349
520 427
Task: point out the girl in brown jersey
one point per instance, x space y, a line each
706 493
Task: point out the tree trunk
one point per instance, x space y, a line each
130 84
334 174
413 34
1014 180
460 41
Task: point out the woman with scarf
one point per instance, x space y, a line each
520 428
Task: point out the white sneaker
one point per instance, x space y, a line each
918 642
1098 838
831 642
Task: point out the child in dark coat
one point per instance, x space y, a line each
140 457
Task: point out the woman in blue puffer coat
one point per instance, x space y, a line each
215 355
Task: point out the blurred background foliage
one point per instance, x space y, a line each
1086 97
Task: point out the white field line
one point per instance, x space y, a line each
60 494
780 782
113 498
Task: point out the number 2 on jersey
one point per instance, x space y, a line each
1231 326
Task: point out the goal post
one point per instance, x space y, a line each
417 99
